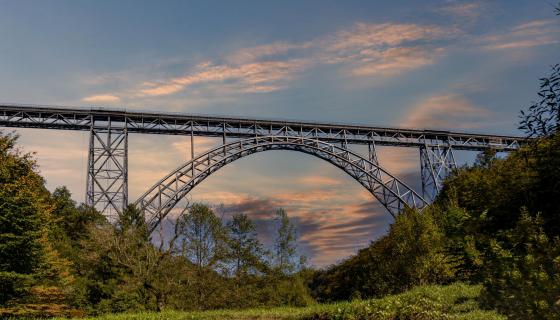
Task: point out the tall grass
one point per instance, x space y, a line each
456 301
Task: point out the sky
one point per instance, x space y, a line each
439 64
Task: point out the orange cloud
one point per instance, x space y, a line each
365 49
320 181
395 61
251 77
367 35
530 34
101 98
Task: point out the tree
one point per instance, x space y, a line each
202 240
522 271
543 117
285 243
245 250
202 236
23 209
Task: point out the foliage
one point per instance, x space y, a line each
285 243
412 253
23 207
522 271
457 301
202 236
498 188
543 117
244 248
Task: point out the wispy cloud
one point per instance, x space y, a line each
530 34
266 51
364 49
101 98
449 111
469 10
251 77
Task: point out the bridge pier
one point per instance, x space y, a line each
436 163
107 177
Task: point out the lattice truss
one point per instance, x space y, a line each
436 163
157 202
107 178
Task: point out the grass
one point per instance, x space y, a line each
456 301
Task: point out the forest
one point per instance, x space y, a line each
489 245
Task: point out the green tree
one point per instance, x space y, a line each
202 236
522 271
23 212
245 250
203 241
285 245
543 117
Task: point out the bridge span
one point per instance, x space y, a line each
107 176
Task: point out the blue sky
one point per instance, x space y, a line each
461 65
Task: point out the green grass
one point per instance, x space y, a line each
457 301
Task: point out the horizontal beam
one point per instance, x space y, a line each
64 118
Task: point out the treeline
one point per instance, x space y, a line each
495 223
57 258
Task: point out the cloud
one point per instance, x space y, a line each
363 49
395 61
450 111
256 53
251 77
368 35
325 234
385 49
101 98
320 181
469 10
530 34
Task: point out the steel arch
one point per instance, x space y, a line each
158 201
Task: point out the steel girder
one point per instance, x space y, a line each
107 177
436 163
52 117
161 198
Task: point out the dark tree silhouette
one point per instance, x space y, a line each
543 117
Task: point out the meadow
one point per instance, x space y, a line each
456 301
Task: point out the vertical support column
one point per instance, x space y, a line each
372 152
436 163
224 137
192 147
107 180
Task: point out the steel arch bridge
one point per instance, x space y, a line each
107 173
161 198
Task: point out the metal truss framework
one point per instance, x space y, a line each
107 177
161 198
212 126
109 128
436 163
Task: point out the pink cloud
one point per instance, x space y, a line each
448 111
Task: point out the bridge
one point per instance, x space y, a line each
107 176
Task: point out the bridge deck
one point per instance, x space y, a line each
65 118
